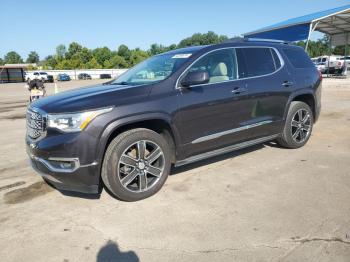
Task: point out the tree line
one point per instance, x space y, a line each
321 47
76 56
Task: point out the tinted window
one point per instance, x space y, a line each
255 62
298 58
220 65
276 59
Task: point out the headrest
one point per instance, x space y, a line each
219 70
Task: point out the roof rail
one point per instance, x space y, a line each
243 40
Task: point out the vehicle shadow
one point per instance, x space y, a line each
74 194
111 252
182 169
80 195
274 144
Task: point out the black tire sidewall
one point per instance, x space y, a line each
113 154
287 133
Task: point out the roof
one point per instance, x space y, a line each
17 65
333 22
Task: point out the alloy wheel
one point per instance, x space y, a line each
301 125
140 166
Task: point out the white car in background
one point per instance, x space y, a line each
36 75
346 59
314 60
321 67
332 64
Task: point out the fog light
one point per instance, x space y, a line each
62 165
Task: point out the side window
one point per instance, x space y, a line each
221 65
276 59
36 74
256 61
298 58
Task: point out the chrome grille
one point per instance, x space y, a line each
35 124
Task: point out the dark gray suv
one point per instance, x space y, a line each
173 109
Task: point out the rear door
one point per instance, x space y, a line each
269 85
306 76
211 113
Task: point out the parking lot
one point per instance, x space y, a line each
259 204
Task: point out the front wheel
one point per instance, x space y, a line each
298 126
136 164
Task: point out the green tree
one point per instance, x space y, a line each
93 64
50 62
202 39
157 49
31 68
1 61
61 51
115 62
13 58
340 50
77 56
85 55
124 52
33 57
73 49
172 47
316 48
64 64
102 54
137 56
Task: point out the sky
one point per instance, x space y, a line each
41 25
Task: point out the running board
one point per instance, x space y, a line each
224 150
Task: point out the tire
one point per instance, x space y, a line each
289 137
136 181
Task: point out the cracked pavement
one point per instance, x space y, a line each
259 204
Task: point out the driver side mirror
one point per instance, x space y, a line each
195 78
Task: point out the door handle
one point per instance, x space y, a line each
238 90
287 83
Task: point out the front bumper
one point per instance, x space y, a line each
64 173
74 181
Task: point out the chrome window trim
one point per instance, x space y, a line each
230 131
177 86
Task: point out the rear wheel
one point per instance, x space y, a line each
298 126
136 164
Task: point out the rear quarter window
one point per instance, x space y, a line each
298 58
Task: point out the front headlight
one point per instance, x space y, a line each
74 122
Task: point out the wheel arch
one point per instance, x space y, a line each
159 123
306 96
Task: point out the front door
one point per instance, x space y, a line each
212 114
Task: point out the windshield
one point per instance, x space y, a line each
154 69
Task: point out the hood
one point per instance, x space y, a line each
92 97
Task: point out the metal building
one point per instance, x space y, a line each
333 22
12 73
